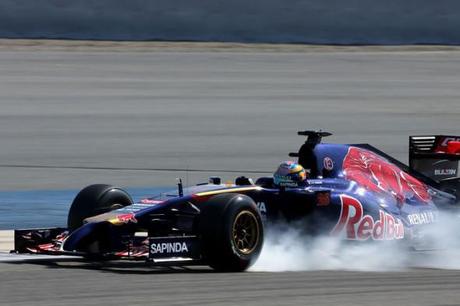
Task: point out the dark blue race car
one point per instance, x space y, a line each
354 192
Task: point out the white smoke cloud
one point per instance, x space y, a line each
287 249
444 240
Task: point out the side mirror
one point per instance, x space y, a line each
215 180
242 180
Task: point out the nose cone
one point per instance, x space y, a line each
81 238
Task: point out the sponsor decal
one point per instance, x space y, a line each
445 171
328 164
425 217
150 201
323 198
263 210
447 140
286 181
126 218
262 207
443 145
377 174
168 248
355 225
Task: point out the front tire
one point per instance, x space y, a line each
232 232
94 200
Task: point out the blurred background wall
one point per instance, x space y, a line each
293 21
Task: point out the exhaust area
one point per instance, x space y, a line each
287 249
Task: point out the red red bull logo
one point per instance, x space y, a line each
377 174
354 225
127 218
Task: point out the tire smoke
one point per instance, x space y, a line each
287 249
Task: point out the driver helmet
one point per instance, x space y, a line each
290 174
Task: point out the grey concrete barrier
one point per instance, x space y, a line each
292 21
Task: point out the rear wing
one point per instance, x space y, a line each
436 156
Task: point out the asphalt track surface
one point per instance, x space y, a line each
178 110
71 283
72 118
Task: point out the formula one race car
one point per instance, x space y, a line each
355 192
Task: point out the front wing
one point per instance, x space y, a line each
166 249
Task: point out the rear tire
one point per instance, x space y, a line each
94 200
232 232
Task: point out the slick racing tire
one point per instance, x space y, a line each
232 232
94 200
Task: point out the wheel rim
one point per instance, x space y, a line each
245 232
